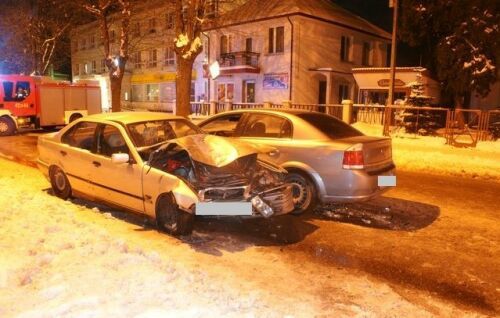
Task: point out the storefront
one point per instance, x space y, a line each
373 84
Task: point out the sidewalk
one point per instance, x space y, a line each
432 155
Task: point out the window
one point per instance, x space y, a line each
86 68
103 66
138 93
112 36
152 92
110 141
329 125
343 92
92 42
267 126
94 67
149 133
152 25
81 136
76 69
224 44
211 8
367 59
167 92
223 126
346 49
152 61
276 40
169 56
136 30
169 20
21 91
83 44
248 45
137 60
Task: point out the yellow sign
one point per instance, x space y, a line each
156 77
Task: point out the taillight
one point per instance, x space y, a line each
353 157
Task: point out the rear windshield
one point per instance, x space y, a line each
330 126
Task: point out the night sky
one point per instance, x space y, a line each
379 13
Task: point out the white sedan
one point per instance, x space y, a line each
161 166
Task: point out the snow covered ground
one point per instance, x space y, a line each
65 259
432 155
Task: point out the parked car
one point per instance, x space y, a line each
327 160
161 166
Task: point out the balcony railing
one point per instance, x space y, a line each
243 62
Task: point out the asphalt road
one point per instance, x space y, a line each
433 234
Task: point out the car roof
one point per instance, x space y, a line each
132 117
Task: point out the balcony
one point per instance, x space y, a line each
239 62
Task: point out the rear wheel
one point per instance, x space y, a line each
304 198
172 220
7 126
60 183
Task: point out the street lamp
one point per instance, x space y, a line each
390 99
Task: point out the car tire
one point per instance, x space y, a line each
7 126
303 192
60 183
172 220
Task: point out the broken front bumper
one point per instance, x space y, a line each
272 202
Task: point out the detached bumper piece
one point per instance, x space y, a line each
279 200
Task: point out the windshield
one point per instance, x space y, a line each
330 126
149 133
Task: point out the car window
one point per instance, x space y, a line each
222 126
330 126
110 140
81 135
149 133
267 126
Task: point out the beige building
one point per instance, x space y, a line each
149 80
298 50
268 50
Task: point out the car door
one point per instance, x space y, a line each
117 183
74 155
263 129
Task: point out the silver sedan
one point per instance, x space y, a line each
327 159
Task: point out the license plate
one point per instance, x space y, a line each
224 208
386 181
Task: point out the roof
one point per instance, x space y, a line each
256 10
132 117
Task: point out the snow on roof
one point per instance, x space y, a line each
255 10
387 69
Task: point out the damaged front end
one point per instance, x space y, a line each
226 175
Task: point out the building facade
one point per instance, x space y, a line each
297 50
267 51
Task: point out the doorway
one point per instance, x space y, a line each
248 92
322 96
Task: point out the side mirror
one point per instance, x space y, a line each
120 158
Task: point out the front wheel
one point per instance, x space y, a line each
7 126
304 198
172 220
60 183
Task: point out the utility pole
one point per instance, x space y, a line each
390 99
393 4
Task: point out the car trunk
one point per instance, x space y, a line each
377 151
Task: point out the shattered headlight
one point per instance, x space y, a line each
262 206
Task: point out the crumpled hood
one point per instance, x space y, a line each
215 150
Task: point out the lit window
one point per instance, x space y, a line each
137 60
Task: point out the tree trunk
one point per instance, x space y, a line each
183 87
116 92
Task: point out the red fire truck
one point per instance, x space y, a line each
38 101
